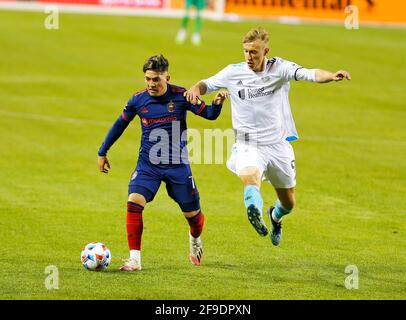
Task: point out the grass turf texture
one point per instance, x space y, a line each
60 91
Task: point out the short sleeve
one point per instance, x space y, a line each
218 81
289 70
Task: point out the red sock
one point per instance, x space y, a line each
196 224
134 225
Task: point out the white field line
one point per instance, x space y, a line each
107 124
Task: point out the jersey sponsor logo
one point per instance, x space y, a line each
254 93
144 110
171 106
241 94
146 122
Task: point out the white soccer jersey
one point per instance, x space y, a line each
259 100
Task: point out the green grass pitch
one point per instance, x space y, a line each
61 90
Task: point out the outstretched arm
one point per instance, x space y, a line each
323 76
289 70
210 112
194 93
219 81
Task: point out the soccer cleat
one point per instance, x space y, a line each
196 250
276 233
196 39
255 217
131 265
181 36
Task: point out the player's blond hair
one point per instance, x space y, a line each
257 34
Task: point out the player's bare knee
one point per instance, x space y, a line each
137 198
248 180
250 176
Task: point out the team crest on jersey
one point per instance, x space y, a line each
144 110
171 106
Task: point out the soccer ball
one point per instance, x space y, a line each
95 256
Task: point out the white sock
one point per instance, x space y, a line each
135 254
193 238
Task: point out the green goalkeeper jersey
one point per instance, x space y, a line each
199 4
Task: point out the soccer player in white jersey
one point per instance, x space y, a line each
264 125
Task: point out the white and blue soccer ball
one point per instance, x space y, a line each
95 256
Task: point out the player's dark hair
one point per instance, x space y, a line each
156 63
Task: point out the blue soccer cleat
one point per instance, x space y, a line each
255 218
276 233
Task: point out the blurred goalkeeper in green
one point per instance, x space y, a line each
182 33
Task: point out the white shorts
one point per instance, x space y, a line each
276 162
